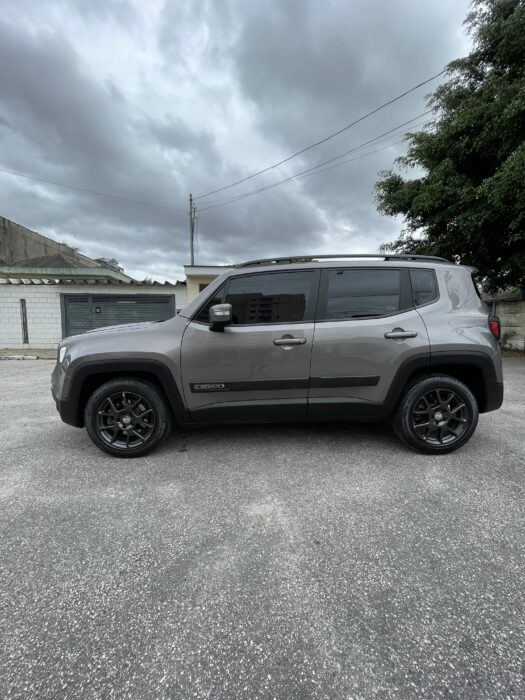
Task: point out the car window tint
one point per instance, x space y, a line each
354 293
424 287
270 298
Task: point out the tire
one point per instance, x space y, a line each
127 417
436 415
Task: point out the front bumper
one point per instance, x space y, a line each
57 383
67 408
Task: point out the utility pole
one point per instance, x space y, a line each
193 209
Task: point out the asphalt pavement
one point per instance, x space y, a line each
275 561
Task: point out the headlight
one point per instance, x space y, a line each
62 354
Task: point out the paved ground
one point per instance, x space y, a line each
259 562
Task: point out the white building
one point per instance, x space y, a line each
45 300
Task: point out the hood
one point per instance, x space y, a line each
123 327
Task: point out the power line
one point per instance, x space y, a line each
300 177
95 192
378 138
323 140
315 168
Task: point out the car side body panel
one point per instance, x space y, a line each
242 365
458 322
141 350
345 368
353 359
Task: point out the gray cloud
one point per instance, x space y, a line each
151 103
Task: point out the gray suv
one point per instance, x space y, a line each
297 339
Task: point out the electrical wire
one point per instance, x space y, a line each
95 192
316 168
323 140
317 172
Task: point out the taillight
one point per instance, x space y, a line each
495 326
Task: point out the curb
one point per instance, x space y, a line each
23 357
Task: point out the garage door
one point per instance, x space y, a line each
82 312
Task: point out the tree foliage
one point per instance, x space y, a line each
468 205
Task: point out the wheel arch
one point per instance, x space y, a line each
87 377
475 369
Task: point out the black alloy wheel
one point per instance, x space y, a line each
436 414
127 417
125 420
440 416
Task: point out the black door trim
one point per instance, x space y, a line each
336 382
248 385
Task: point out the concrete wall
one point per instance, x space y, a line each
512 317
44 319
20 243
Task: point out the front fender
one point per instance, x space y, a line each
83 372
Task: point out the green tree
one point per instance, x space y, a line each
468 205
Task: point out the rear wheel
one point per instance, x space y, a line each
436 415
127 417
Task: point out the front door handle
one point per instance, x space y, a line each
399 334
289 341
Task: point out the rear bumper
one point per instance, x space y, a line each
493 396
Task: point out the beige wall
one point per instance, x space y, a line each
193 282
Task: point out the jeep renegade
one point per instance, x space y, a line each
295 339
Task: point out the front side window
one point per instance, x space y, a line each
424 287
360 293
270 298
204 314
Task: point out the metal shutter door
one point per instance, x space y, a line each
77 314
110 310
83 312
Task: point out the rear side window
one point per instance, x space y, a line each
424 286
359 293
270 298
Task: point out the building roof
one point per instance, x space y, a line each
205 269
86 281
58 261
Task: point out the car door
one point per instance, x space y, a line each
366 327
258 367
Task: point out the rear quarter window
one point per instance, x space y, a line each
424 286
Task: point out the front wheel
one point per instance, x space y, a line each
436 415
127 417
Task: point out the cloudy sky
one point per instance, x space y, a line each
152 99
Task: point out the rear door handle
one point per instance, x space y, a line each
399 334
289 341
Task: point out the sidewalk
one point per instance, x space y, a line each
27 354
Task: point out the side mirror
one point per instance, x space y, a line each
220 316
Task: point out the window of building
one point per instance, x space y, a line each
270 298
359 293
424 286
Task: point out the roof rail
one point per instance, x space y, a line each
314 258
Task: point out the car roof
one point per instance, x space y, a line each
386 257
